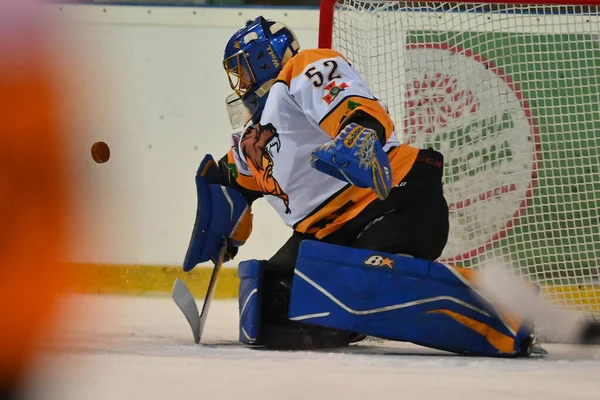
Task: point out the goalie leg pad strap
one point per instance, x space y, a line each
398 298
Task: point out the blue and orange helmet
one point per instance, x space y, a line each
253 58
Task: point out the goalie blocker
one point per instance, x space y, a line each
339 293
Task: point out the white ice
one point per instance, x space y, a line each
142 348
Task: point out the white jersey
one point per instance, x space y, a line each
316 90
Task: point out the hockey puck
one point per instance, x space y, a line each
100 152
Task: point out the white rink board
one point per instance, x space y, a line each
149 82
141 348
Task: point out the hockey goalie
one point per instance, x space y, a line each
367 213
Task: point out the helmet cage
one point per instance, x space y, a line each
239 72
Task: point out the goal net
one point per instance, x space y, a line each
510 94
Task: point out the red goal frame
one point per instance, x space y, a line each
328 6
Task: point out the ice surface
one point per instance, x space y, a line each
142 348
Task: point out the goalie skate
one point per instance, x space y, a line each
531 347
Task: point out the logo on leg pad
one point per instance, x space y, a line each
379 261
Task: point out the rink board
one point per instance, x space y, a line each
148 280
145 280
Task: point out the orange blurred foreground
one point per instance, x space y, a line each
32 191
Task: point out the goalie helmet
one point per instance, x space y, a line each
253 58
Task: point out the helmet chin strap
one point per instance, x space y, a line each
264 89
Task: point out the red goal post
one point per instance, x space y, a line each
509 92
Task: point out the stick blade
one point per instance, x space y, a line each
186 303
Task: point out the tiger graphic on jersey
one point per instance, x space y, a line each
258 143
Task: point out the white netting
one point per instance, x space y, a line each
510 94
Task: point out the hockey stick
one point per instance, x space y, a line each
186 303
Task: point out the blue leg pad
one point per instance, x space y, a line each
250 294
398 298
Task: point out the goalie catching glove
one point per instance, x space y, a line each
222 213
357 157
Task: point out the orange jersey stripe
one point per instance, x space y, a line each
332 122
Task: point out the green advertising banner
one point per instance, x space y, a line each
517 117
